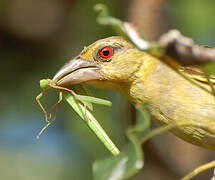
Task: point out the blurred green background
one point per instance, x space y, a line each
36 38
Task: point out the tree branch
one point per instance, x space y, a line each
184 50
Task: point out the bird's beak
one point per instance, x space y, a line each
77 71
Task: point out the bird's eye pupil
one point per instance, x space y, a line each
106 52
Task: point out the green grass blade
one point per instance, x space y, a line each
95 100
91 122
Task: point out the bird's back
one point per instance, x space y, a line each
174 99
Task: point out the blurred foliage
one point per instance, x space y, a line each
209 68
194 18
36 38
130 160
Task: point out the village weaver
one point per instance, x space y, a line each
114 63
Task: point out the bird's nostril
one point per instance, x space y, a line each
78 57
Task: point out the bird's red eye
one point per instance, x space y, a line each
106 52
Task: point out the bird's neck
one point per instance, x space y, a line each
137 90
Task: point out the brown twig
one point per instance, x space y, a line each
199 170
56 106
41 106
48 118
184 50
53 85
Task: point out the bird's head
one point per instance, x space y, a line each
107 63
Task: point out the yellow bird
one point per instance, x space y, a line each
114 63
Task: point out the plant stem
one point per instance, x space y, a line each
199 170
91 122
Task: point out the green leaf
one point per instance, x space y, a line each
91 121
125 29
81 105
131 158
95 100
124 165
209 68
104 18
